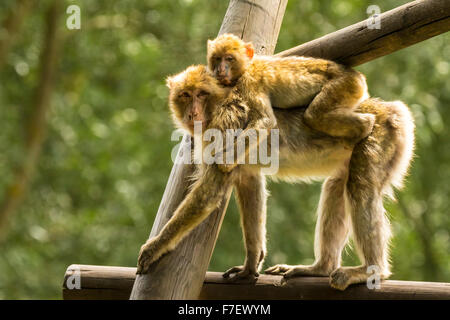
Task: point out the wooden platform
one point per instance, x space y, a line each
103 282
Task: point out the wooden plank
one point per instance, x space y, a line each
105 283
180 274
401 27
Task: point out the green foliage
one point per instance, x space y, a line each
106 159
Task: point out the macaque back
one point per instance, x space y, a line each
331 91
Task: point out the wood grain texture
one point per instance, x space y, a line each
255 21
401 27
180 274
104 283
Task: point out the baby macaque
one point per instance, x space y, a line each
331 91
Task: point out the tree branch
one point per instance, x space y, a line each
12 26
37 123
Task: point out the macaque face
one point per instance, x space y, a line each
228 57
194 96
225 69
194 105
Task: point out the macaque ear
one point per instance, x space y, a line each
169 82
209 44
249 51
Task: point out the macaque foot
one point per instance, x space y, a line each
148 254
288 271
342 277
356 127
240 272
367 123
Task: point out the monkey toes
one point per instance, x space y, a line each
240 273
288 271
342 277
278 269
368 123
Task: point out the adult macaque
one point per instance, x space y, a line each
357 177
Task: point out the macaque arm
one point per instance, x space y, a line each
204 197
251 197
261 117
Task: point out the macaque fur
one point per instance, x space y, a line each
358 175
331 91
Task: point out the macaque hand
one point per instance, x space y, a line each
149 253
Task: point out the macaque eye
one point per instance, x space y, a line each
203 94
184 95
229 58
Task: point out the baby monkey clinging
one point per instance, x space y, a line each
330 90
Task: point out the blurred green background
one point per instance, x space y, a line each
105 160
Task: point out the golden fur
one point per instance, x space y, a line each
357 177
332 91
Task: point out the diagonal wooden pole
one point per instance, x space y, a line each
399 28
180 274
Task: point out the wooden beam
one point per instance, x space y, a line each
401 27
180 274
105 283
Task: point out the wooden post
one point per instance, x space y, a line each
115 283
401 27
180 274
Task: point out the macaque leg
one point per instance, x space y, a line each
205 196
331 235
251 197
371 230
332 111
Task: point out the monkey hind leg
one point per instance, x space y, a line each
368 175
377 164
332 111
371 233
332 230
341 123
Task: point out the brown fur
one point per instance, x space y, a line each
357 177
332 91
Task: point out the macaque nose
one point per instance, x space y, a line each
223 69
194 114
